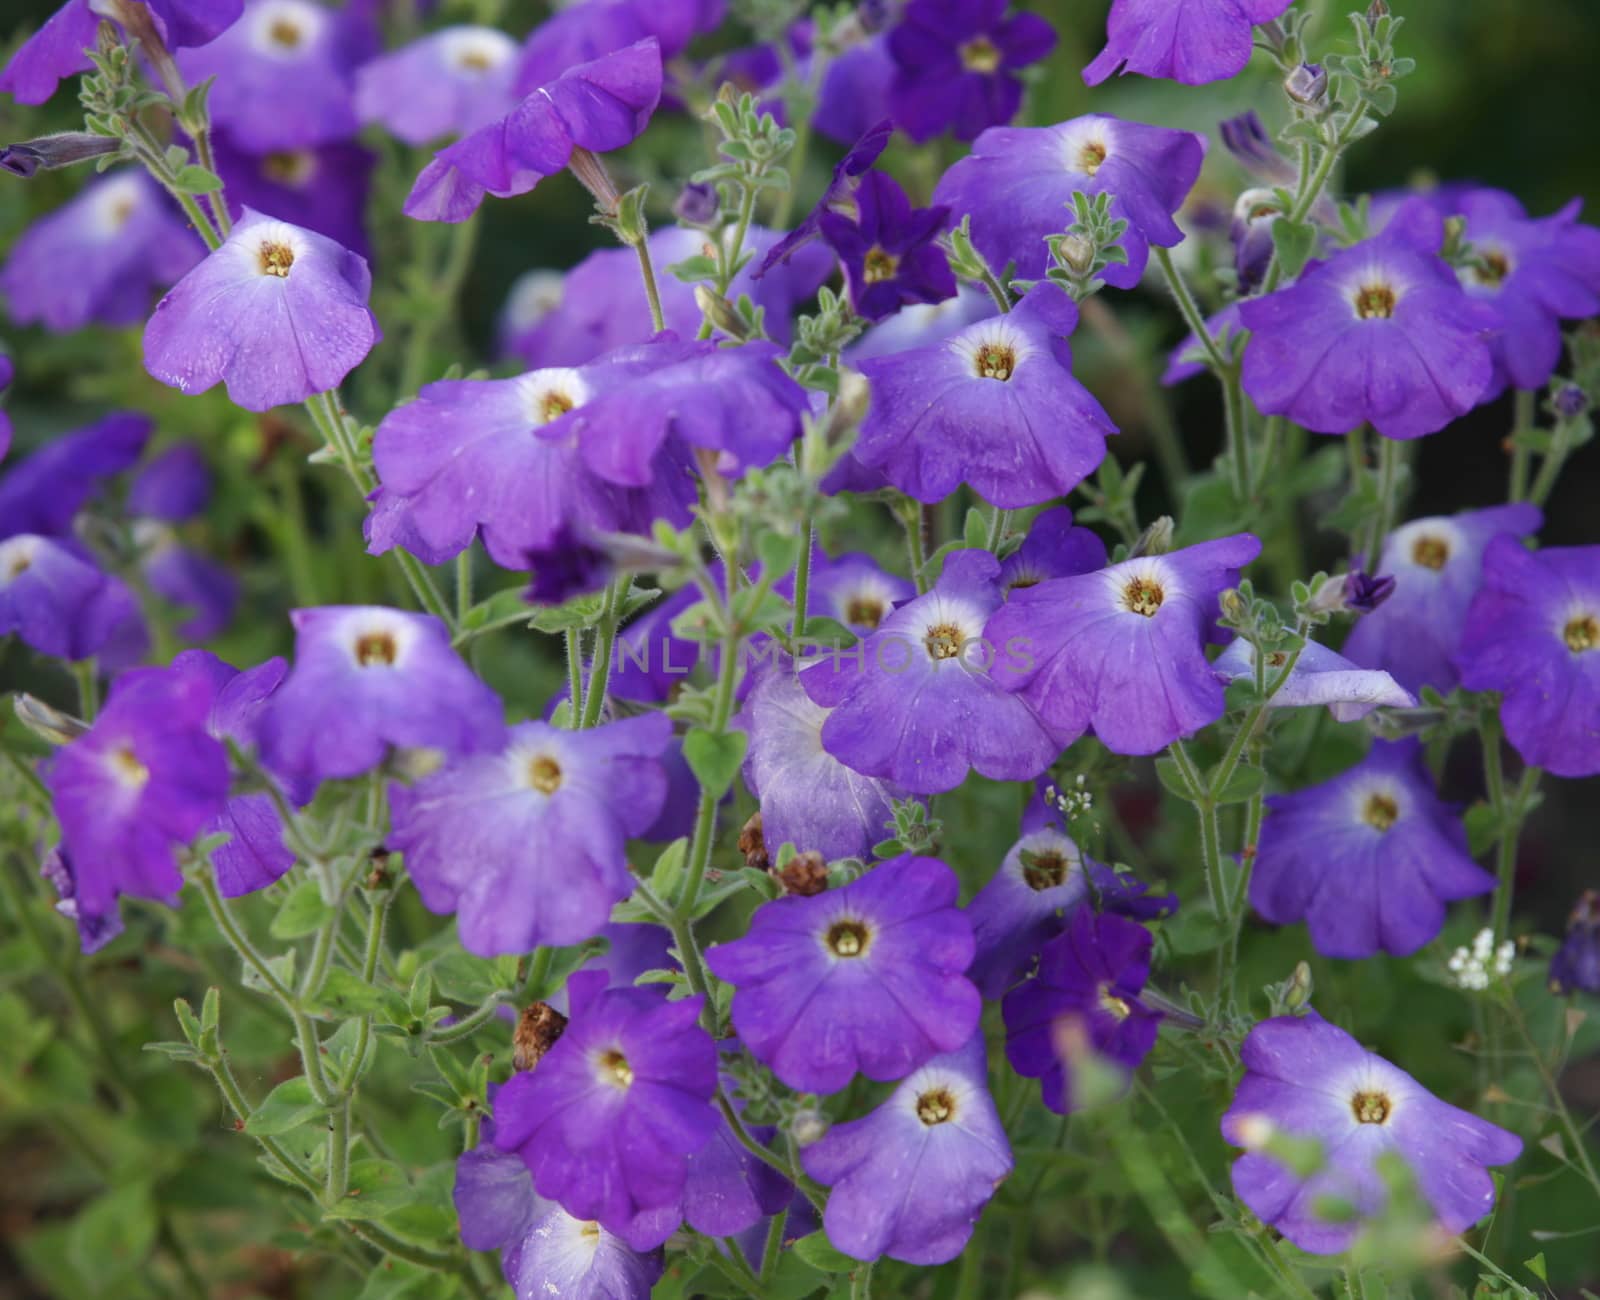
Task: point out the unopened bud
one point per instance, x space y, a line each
1155 540
719 311
808 1126
696 204
1232 604
1075 252
538 1028
1570 402
804 874
1300 987
855 395
51 725
1307 84
51 151
592 175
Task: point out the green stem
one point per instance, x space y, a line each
467 1025
339 1151
1550 468
605 642
997 291
772 1249
652 293
438 299
1310 190
1236 422
1510 810
861 1283
1210 829
1552 1087
916 545
1389 454
1522 424
997 529
802 576
574 640
86 672
1190 310
463 586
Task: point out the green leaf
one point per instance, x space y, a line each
346 993
695 268
975 532
1294 241
1242 785
714 758
286 1107
794 1278
819 1252
1172 777
197 180
1195 928
111 1238
1536 1266
302 913
376 1188
777 553
666 877
499 610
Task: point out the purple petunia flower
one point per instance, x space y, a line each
888 249
44 493
910 1179
600 304
1018 183
322 188
276 315
1437 565
145 779
450 82
922 324
1319 676
1039 884
1089 976
61 47
994 406
382 677
1307 1078
807 796
866 978
854 94
838 198
1576 964
526 845
584 32
172 487
1537 273
956 63
1053 548
925 698
121 237
609 1119
852 589
284 76
1368 860
1123 650
1533 633
504 457
596 106
1380 333
1190 41
59 603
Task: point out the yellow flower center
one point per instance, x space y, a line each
552 406
848 939
1375 302
1143 596
864 611
1380 811
376 649
276 259
291 167
1091 157
615 1070
1582 633
1371 1107
980 54
1041 871
1112 1005
544 774
878 266
1430 552
285 34
936 1106
127 768
943 641
995 361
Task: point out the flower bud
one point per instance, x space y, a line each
51 725
1570 402
1155 540
538 1028
1308 85
804 874
1075 253
51 151
808 1126
1576 964
696 204
1364 592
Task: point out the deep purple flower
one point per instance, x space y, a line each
1319 676
254 856
526 844
851 589
504 458
145 779
58 602
925 699
1246 137
854 95
190 581
366 678
95 930
1018 183
866 978
609 1119
956 63
1368 860
1533 634
44 493
734 401
570 563
1380 333
1537 273
1038 886
1123 650
275 315
596 106
60 48
1364 592
121 237
1437 565
888 248
582 33
1053 548
910 1179
1090 977
1192 41
1576 964
449 82
1306 1078
323 188
600 304
808 797
838 198
27 158
994 406
284 76
172 487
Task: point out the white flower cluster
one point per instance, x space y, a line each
1074 803
1476 966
